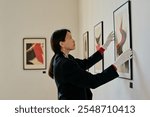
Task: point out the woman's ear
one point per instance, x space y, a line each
61 43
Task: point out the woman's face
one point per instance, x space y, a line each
69 43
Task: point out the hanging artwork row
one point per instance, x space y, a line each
34 53
122 42
123 37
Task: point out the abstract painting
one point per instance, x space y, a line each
98 40
34 55
123 37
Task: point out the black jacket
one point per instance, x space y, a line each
73 81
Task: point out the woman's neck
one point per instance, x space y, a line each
65 52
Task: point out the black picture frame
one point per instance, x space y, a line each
34 53
123 38
98 39
86 45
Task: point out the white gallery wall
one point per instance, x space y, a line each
39 18
30 18
93 11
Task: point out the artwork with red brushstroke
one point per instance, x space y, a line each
122 42
34 53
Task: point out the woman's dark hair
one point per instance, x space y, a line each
57 36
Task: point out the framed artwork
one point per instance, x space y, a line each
98 40
34 53
123 37
86 44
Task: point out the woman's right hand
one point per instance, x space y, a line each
125 56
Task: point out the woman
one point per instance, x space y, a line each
72 80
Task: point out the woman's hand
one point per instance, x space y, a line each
125 56
110 38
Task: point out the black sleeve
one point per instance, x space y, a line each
87 63
77 76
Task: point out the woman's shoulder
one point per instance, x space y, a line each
60 58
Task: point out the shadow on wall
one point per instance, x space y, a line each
141 85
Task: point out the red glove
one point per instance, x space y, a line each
100 49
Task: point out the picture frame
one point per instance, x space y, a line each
34 53
123 38
98 40
86 45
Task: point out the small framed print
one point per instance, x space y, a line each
86 44
123 37
98 40
34 53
